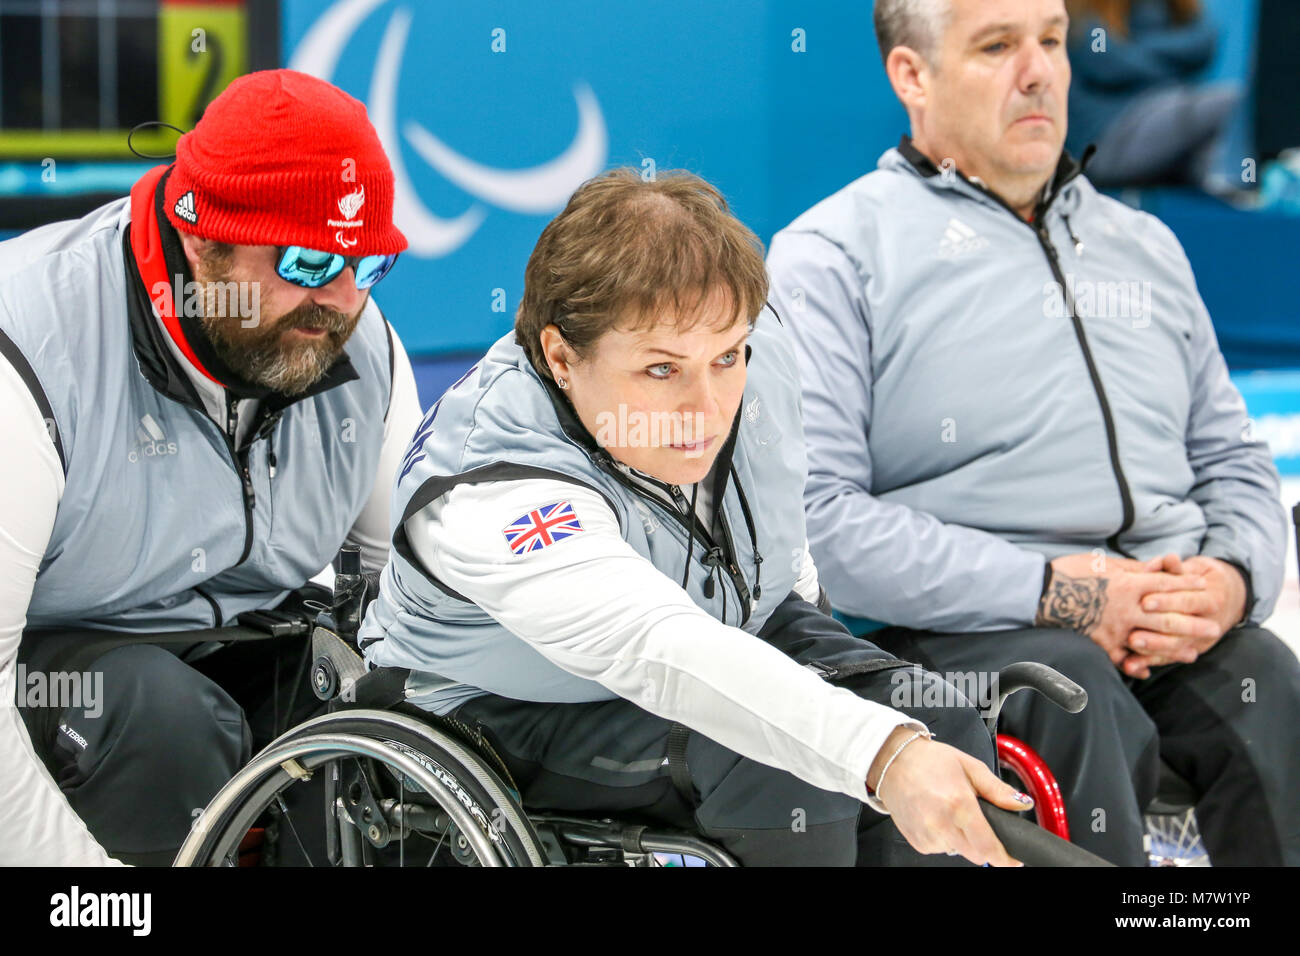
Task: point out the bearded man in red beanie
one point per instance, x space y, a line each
200 403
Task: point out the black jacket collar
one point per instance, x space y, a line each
1067 169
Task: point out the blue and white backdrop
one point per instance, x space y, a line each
493 112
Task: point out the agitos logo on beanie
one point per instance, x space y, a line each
283 158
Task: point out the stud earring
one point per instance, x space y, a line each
562 383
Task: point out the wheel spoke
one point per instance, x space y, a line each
462 789
1176 839
284 815
439 845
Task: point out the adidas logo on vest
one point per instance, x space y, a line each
185 208
151 441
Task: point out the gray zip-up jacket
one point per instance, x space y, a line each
982 394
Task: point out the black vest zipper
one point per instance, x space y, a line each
753 535
719 557
241 468
264 426
726 470
729 556
605 461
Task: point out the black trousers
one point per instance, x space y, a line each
610 757
1229 723
162 736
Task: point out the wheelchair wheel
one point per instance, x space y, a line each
1173 836
1174 839
396 792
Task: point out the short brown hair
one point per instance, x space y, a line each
624 248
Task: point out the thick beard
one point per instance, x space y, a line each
258 355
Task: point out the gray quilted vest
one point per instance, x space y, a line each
471 435
163 524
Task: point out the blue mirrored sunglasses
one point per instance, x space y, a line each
312 268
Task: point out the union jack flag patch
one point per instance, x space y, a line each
541 527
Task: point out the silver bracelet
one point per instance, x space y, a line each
880 781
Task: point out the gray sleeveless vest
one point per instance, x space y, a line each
157 528
471 435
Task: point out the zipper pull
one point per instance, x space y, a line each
679 499
712 559
1078 244
266 427
270 446
248 488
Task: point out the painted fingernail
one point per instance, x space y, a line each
1024 798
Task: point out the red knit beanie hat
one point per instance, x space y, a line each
283 158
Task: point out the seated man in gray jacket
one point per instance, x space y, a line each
1024 444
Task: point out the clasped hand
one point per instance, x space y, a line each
1145 614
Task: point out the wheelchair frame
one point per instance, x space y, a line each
474 802
471 805
478 807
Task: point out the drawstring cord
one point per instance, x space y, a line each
714 560
1078 245
690 537
713 557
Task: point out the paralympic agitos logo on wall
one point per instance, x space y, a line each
536 190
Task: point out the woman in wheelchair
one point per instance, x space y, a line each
599 564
